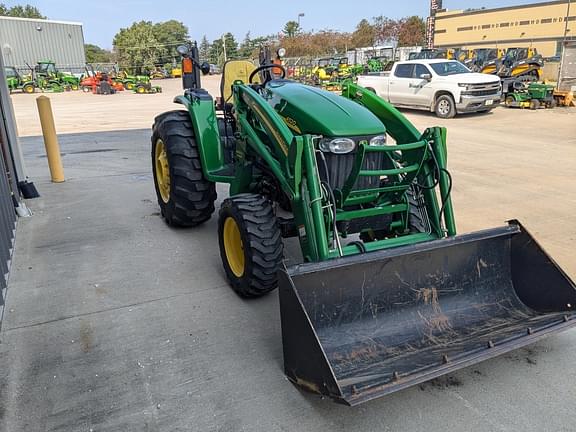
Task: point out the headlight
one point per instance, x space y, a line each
182 49
463 85
337 145
379 140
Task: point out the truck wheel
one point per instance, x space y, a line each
445 106
250 244
185 197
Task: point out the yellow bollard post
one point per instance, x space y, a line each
50 139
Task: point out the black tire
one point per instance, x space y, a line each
534 104
259 230
28 88
191 196
416 217
445 106
509 101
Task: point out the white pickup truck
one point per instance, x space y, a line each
445 87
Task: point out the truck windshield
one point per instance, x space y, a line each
449 68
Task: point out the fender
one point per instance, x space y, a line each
182 100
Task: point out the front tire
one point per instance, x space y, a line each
186 198
250 243
445 106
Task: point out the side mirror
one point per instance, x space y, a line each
205 68
426 76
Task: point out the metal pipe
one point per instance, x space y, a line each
50 139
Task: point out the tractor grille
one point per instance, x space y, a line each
340 165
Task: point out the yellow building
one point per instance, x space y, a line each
538 25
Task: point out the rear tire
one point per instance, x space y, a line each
186 199
445 106
250 243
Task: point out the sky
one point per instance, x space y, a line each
103 18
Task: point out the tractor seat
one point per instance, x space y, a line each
234 70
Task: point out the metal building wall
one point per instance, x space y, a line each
24 40
7 230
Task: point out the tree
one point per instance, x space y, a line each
204 49
145 45
246 47
137 47
291 28
95 54
26 11
364 35
386 29
169 35
412 32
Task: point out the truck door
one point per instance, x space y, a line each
399 84
421 89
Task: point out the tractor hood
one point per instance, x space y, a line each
307 109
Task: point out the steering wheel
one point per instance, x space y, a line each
264 67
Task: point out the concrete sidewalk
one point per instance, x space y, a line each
116 322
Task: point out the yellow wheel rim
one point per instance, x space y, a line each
162 171
233 247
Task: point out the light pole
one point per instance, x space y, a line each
300 15
563 45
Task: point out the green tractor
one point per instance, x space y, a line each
531 95
133 82
385 295
15 81
47 71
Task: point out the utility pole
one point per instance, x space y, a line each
224 46
563 45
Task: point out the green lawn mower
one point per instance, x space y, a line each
16 81
385 295
142 88
531 95
133 82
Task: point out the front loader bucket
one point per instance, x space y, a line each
361 327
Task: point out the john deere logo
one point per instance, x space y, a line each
291 123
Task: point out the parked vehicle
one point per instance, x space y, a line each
445 87
47 69
406 300
214 70
15 81
176 72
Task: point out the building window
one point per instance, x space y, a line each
525 22
468 28
546 21
485 26
504 24
440 31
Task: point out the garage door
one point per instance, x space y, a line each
7 229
